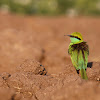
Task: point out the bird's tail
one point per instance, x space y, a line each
83 74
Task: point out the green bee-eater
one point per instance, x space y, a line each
79 51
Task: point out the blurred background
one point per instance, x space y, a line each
52 7
34 30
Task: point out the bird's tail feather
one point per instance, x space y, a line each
83 74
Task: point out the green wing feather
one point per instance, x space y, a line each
79 59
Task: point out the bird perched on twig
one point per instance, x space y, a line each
79 51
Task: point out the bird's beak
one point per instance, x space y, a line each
68 35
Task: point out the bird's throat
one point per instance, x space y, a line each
75 40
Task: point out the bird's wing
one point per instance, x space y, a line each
79 59
86 53
74 56
79 56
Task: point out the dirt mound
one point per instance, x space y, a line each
32 67
67 84
83 91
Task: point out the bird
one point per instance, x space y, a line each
79 51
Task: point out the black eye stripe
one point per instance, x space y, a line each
75 37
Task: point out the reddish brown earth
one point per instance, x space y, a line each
34 63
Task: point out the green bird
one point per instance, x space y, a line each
79 51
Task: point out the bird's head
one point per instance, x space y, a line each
76 37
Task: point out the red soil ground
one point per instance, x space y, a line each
34 63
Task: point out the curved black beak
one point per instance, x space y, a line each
68 35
